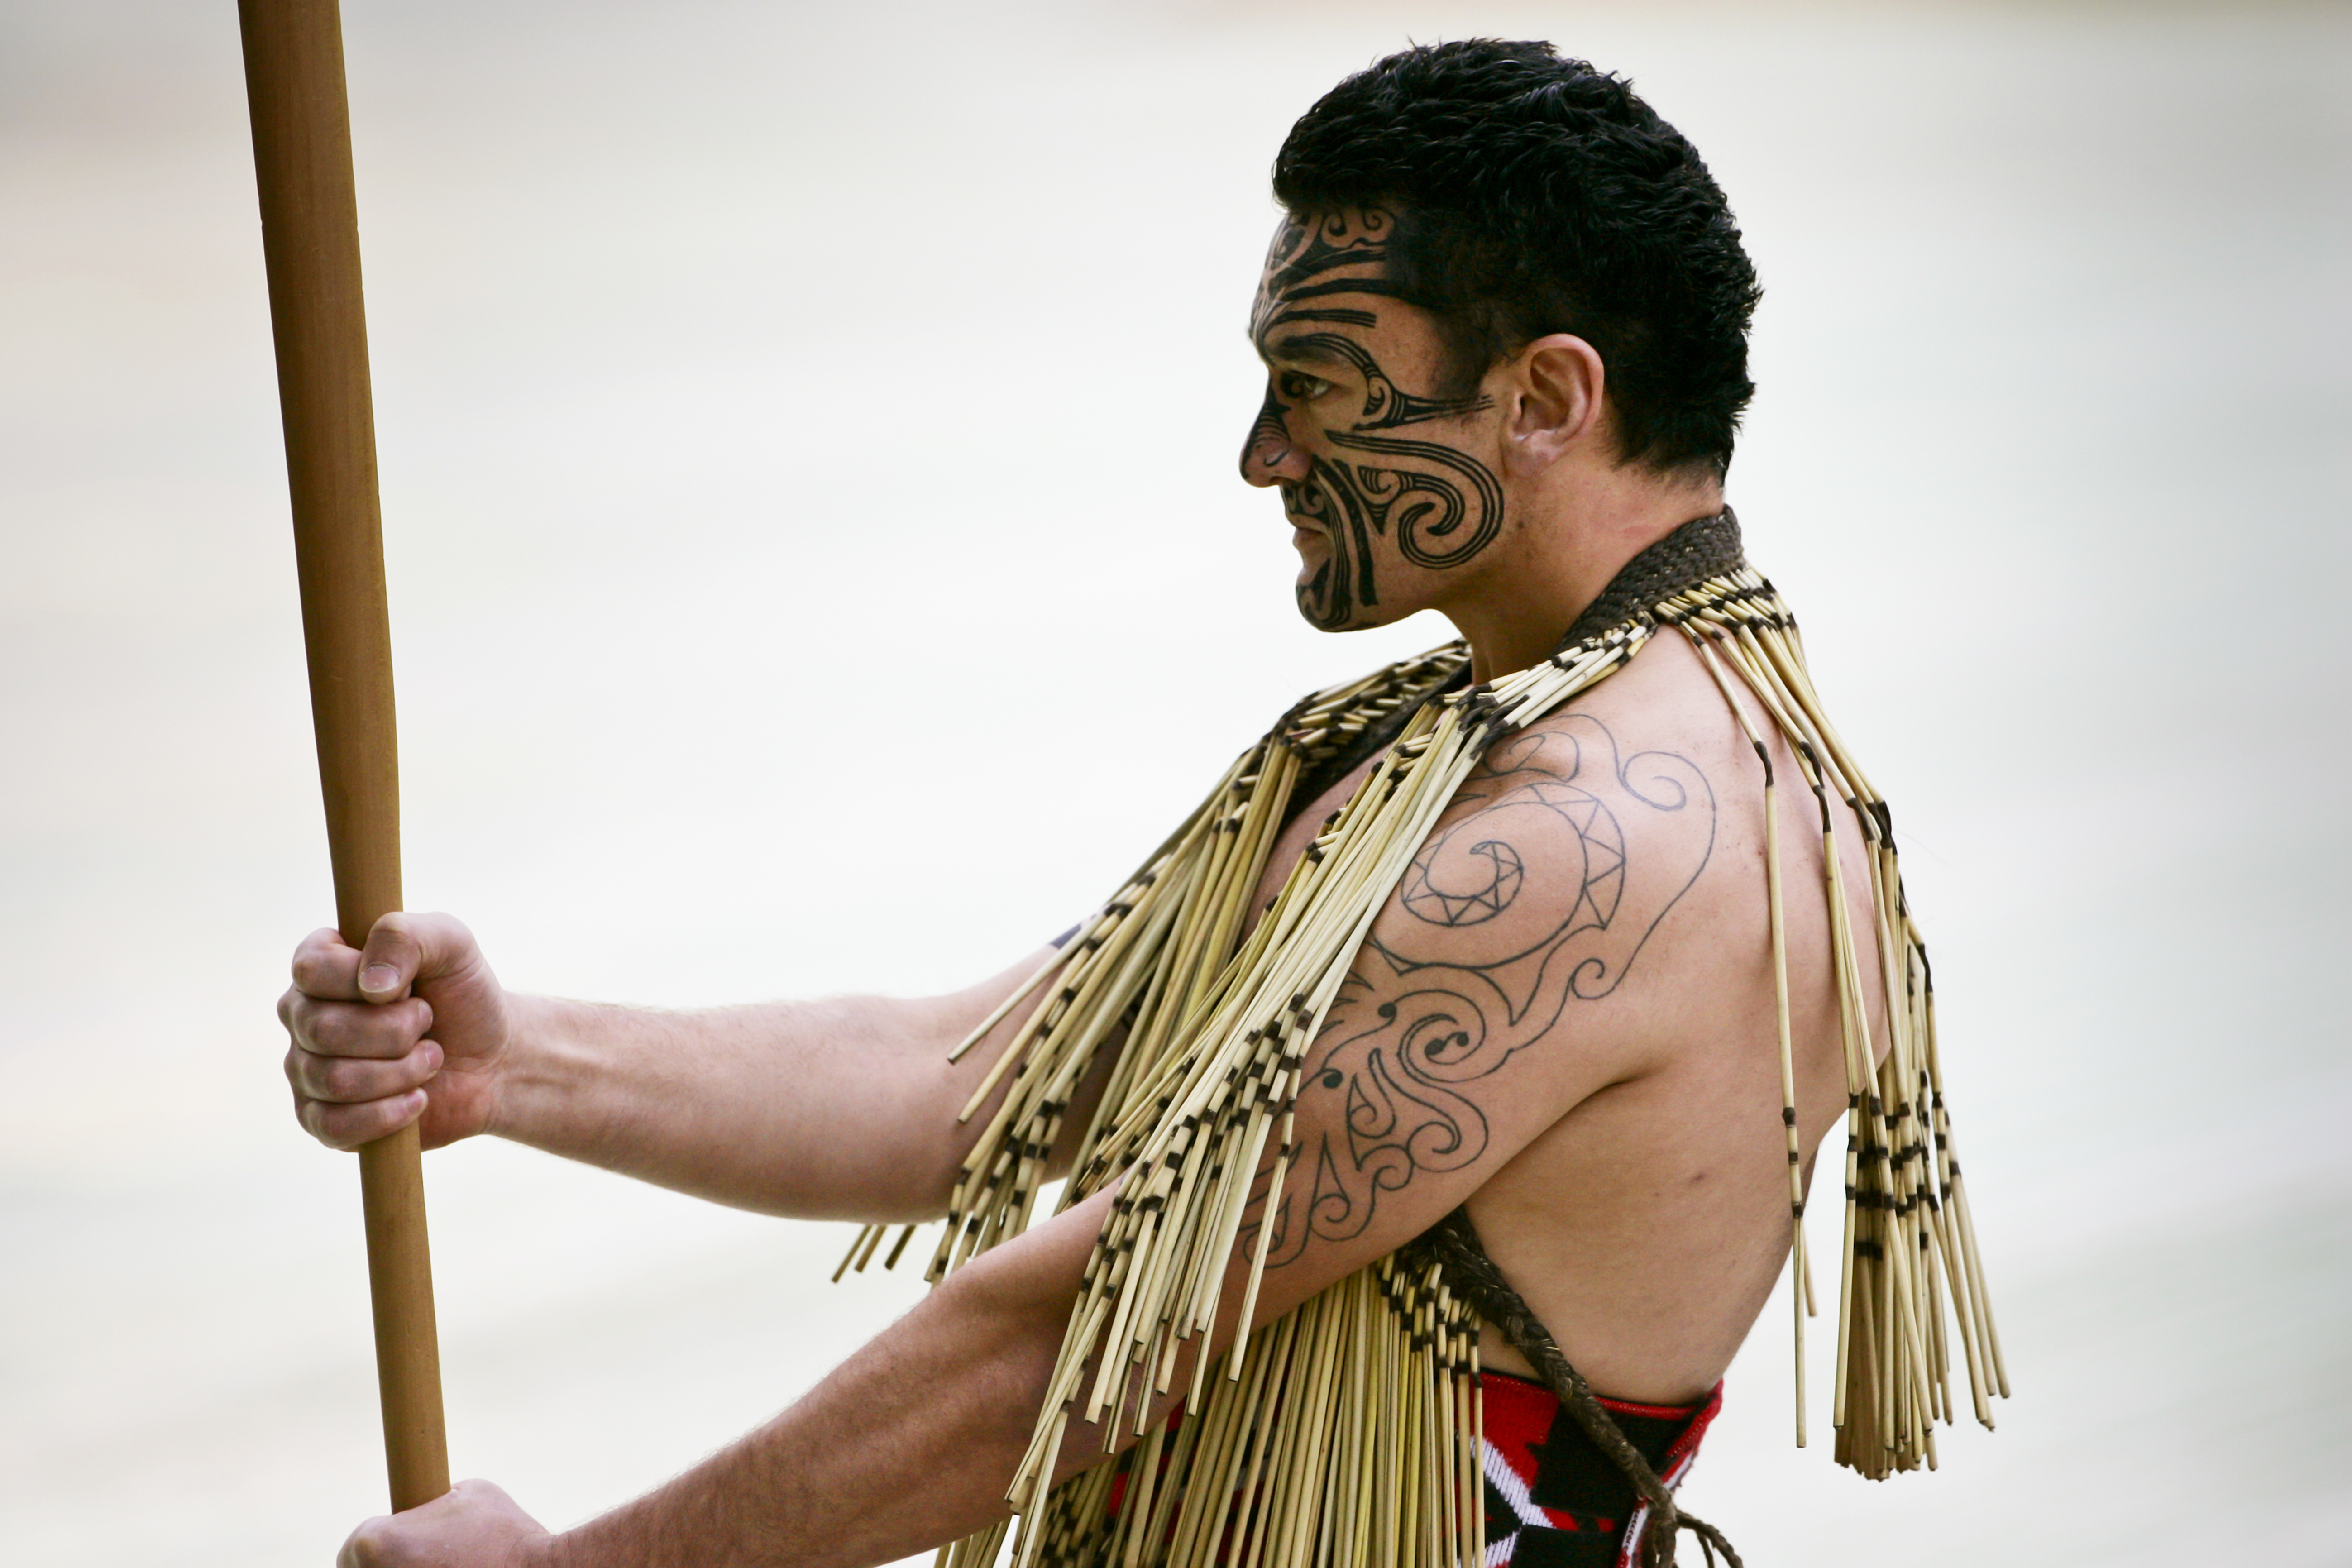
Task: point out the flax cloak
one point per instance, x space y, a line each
1347 1431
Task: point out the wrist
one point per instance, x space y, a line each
541 1088
545 1550
518 1078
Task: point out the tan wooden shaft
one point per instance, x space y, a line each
309 231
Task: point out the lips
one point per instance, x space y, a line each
1304 505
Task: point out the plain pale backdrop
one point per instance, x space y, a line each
816 565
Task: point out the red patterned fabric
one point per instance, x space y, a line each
1553 1499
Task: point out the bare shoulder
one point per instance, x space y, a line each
1551 877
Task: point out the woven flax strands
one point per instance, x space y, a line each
1347 1432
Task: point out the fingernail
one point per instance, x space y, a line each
379 977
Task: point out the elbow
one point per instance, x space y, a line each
909 1188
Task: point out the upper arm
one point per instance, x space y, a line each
1478 1011
941 1089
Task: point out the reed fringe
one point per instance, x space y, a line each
1347 1432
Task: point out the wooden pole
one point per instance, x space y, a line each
311 239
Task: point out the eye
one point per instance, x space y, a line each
1300 388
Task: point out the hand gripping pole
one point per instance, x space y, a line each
310 234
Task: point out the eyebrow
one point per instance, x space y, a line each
1303 348
1344 317
1306 346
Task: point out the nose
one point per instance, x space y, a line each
1270 457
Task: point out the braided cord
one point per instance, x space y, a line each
1452 1243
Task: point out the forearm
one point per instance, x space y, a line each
910 1444
838 1108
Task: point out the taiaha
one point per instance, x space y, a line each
1347 1431
310 234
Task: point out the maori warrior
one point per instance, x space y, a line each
1438 1103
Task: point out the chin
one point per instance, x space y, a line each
1356 618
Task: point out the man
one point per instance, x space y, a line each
1504 320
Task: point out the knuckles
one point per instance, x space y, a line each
346 1127
356 1028
358 1551
346 1081
323 966
353 1081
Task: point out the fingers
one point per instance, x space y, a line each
346 1127
472 1523
353 1028
324 967
350 1054
351 1081
357 1071
362 1550
345 1101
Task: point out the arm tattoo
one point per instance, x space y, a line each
1532 900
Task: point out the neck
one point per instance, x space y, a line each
1562 553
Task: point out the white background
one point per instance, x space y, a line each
807 440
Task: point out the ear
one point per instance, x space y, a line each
1553 402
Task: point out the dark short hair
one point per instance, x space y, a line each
1537 194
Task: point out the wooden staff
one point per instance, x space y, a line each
310 238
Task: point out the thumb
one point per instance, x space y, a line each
404 948
389 961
